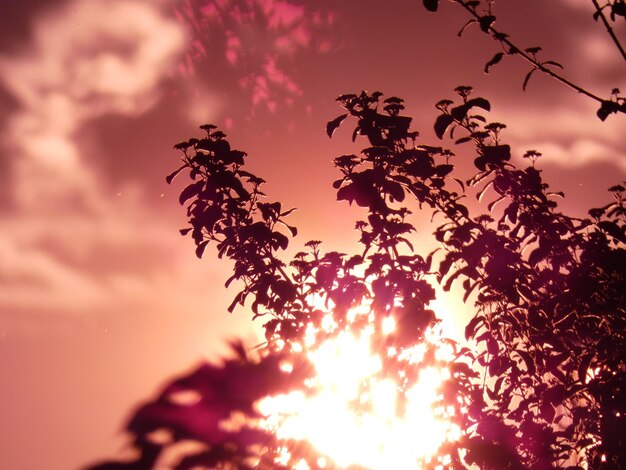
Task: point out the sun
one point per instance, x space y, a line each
368 404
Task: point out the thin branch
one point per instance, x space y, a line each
609 29
502 38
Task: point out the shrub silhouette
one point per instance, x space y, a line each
544 382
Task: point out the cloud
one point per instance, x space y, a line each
571 137
86 60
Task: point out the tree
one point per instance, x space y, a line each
540 383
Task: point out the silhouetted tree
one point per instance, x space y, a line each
544 383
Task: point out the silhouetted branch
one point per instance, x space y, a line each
609 30
486 25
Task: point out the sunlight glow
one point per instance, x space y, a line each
355 412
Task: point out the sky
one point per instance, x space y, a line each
101 299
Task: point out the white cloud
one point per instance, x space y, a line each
86 60
572 137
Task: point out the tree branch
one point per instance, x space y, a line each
503 39
609 30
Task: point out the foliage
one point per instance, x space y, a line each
543 384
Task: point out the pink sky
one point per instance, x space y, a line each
101 300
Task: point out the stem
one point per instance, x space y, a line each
609 29
500 37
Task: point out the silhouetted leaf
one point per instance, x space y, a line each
172 175
183 145
486 22
442 123
190 191
395 190
584 366
551 62
618 9
528 360
462 30
480 103
431 5
609 107
472 327
334 124
201 247
613 229
527 78
494 60
533 50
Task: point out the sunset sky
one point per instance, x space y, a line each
101 299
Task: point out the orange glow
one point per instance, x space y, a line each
355 413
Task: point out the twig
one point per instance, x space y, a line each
609 29
502 38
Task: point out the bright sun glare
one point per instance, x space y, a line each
355 414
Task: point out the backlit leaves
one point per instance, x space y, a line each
543 376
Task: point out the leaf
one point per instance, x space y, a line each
279 241
608 107
584 366
172 175
460 33
469 288
618 9
536 256
201 247
612 229
183 145
292 229
185 231
287 212
442 123
395 190
479 102
528 360
528 75
460 112
190 191
443 170
334 124
238 300
494 60
431 5
355 133
486 22
551 62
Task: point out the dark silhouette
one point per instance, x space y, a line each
544 383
